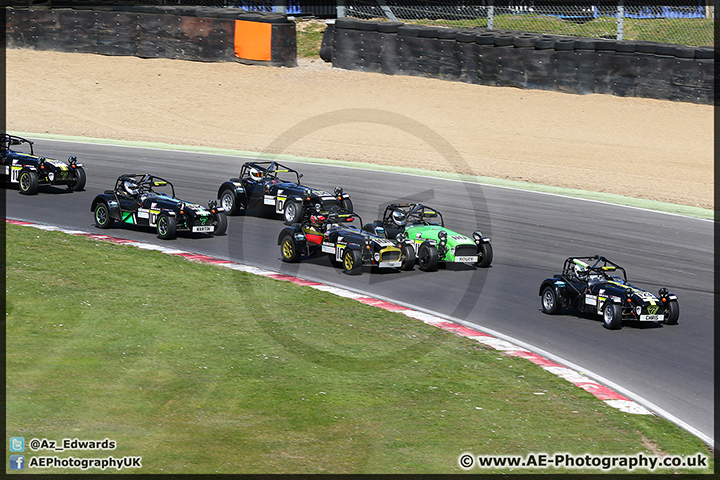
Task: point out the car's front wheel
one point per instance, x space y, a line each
80 179
407 257
673 313
288 250
550 301
221 223
28 182
292 212
347 204
102 216
612 316
485 255
229 202
352 262
427 257
166 226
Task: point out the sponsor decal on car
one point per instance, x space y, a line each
328 247
467 259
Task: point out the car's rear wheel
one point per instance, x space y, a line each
612 316
550 301
407 257
221 223
288 250
485 255
80 179
166 226
229 202
673 313
427 257
292 212
28 182
352 262
102 216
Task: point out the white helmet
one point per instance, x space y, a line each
130 187
580 272
255 173
398 218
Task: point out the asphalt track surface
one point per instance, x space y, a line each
531 233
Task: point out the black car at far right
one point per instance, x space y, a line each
586 285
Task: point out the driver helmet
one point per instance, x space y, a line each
255 174
580 272
317 219
130 187
398 219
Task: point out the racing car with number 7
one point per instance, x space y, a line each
432 242
586 285
147 200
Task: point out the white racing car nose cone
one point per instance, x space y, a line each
51 176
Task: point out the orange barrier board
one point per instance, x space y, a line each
253 40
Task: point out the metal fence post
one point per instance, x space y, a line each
281 6
620 19
490 13
340 8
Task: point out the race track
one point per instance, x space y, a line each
531 234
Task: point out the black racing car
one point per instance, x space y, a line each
598 286
21 166
278 186
147 200
337 233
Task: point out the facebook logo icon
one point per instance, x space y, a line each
17 462
17 444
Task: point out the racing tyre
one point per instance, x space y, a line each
352 261
427 257
612 316
288 250
292 212
673 313
550 301
221 223
102 216
166 226
28 182
347 204
485 255
408 257
80 179
228 202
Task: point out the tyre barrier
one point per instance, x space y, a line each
524 60
204 34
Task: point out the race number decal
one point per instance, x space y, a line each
280 204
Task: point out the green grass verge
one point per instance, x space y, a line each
201 369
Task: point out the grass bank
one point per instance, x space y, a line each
200 369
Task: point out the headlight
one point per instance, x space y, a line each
663 291
400 237
628 294
442 235
318 207
212 204
338 191
477 236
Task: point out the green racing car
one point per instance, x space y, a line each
433 242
